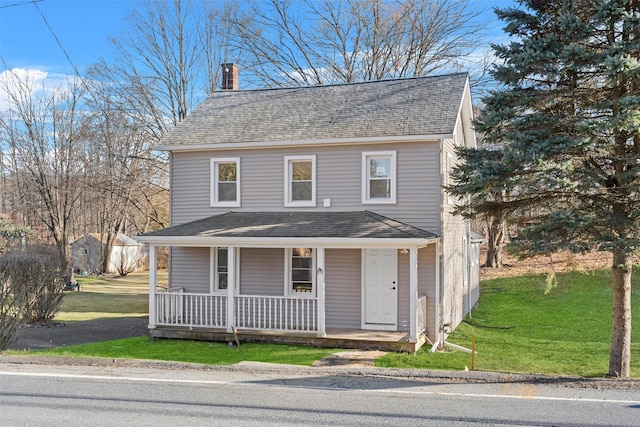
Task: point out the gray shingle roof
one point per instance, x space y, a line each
348 225
386 108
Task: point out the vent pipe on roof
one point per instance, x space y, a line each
229 77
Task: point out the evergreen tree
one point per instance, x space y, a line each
567 115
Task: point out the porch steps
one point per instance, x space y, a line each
351 359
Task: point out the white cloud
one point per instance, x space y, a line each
35 80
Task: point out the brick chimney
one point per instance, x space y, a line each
229 77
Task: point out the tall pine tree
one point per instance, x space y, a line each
567 116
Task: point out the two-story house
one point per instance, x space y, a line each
318 215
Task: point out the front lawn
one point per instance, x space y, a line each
519 328
213 353
108 296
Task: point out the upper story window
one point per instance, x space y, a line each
300 181
379 177
225 182
300 271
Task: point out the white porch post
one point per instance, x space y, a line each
153 279
231 285
320 270
413 295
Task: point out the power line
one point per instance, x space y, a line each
19 4
35 3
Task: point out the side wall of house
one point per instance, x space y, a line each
474 277
456 251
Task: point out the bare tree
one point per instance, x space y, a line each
46 133
286 43
165 64
169 59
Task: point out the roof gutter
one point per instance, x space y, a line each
287 242
299 143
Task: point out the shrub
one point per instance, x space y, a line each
12 313
31 289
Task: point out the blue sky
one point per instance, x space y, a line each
83 28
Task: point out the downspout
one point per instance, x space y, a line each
438 335
468 260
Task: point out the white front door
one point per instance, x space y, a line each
380 289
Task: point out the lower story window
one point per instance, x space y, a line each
222 268
301 277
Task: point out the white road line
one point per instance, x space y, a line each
104 377
385 391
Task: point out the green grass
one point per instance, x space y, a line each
520 329
107 296
192 351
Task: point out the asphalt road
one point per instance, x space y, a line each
255 394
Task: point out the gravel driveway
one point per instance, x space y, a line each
35 337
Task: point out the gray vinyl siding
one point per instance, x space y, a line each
403 291
454 289
426 286
343 288
190 269
262 271
474 278
339 178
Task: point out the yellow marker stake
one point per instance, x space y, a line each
473 352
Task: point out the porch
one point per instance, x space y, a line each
338 338
293 277
287 320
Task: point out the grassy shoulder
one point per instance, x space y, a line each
520 328
212 353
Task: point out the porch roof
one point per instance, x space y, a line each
340 229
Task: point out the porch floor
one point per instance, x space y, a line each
339 338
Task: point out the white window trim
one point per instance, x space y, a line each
213 272
365 177
288 289
287 181
214 182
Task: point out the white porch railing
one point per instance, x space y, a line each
177 308
276 313
422 314
169 304
174 307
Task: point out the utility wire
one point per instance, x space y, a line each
35 3
19 4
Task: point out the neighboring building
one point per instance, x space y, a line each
86 253
318 215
